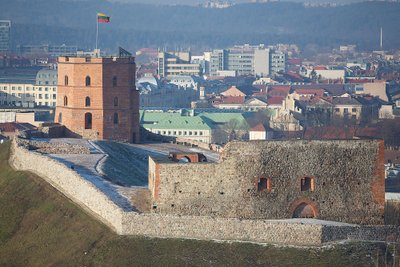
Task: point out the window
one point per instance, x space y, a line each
88 120
87 81
264 184
115 118
345 110
115 101
337 110
307 184
114 81
65 101
353 110
87 101
66 80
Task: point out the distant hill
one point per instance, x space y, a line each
142 25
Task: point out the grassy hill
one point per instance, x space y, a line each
40 227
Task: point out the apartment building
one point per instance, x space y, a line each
5 35
40 92
173 64
247 60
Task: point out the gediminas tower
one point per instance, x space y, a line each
97 98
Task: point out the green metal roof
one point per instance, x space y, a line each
175 120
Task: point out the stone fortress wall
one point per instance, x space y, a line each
346 182
90 198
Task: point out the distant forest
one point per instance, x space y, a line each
140 25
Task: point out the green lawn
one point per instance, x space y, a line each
40 227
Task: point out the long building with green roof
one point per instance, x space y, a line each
203 126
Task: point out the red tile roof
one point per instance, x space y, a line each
233 100
320 68
275 100
12 127
332 132
258 128
279 90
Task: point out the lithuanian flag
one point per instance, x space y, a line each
101 17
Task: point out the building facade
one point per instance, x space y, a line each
5 35
50 50
173 64
41 91
97 98
247 60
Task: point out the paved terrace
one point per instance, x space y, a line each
119 170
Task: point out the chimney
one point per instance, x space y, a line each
202 93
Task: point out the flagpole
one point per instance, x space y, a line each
97 31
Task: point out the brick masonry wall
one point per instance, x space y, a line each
99 205
349 186
102 93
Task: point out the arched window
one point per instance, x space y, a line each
65 101
114 81
66 80
88 120
115 101
87 101
115 118
60 117
87 81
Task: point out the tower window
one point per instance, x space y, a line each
307 184
65 101
264 184
66 80
87 81
87 101
115 118
114 81
60 117
115 101
88 120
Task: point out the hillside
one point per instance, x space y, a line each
40 227
142 25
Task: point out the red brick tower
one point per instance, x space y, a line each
97 98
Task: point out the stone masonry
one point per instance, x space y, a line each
94 201
330 180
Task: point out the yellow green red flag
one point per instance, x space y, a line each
101 17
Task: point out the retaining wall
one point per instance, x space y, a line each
98 204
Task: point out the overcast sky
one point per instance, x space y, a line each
192 2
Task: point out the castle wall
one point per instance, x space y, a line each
347 177
86 195
70 183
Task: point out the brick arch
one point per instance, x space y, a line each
303 203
